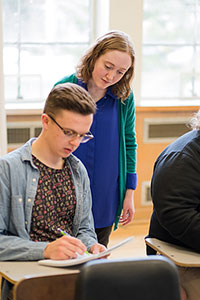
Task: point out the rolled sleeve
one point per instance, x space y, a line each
131 182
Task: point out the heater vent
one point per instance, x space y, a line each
164 130
19 133
146 193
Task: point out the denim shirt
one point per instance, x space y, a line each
18 186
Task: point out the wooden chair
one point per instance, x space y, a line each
152 278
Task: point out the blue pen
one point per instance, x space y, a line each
67 234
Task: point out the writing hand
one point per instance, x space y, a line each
65 247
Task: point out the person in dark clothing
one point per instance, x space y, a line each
175 191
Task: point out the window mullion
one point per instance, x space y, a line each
19 96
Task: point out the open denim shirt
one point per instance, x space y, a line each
18 186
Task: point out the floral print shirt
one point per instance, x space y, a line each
55 202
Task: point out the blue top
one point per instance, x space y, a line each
100 157
127 146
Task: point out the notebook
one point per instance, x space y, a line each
82 258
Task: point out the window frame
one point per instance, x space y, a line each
97 7
170 100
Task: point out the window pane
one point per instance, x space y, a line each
170 21
10 55
55 21
171 52
43 42
168 73
198 22
10 20
41 67
10 84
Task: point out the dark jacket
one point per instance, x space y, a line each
175 190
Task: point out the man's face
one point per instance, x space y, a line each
60 144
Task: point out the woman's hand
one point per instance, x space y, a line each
128 208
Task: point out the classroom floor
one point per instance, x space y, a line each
135 248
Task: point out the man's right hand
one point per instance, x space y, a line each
64 248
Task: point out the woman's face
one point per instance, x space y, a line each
110 68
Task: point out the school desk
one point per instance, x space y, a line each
32 281
181 256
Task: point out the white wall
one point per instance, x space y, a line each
3 136
127 16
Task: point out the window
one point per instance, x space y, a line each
43 41
171 52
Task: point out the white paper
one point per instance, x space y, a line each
82 258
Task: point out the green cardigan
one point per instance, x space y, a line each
127 142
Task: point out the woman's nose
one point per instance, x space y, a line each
110 75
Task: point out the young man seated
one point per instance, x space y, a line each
43 187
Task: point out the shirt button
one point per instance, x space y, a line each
34 179
26 222
29 200
20 199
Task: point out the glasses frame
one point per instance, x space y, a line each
73 134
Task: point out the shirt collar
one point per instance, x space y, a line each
109 92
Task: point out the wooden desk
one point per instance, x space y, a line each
32 281
181 256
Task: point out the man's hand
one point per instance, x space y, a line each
65 247
97 248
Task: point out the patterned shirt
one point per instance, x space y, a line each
55 203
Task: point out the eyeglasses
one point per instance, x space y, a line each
73 134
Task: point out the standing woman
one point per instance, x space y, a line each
106 71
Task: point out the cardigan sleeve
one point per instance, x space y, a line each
128 148
130 134
71 78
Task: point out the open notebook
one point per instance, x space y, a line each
82 258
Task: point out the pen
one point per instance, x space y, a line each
67 234
63 232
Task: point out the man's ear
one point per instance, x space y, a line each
45 121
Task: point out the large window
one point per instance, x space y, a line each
43 41
171 52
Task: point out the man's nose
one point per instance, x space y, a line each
75 141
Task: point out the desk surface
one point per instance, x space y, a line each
14 271
181 256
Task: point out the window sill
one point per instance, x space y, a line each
24 108
37 108
169 102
